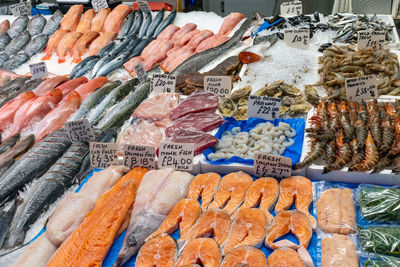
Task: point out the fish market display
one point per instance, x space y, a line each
338 250
246 256
6 215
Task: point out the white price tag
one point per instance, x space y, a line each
294 8
79 130
266 165
163 83
177 156
140 72
103 155
140 156
299 38
99 5
219 85
143 6
20 9
367 39
38 70
264 107
360 88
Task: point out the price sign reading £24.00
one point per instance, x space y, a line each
140 156
219 85
293 8
264 107
79 130
360 88
266 165
38 70
163 83
103 155
299 38
176 155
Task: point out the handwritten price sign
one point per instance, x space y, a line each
20 9
79 130
140 72
144 6
103 155
99 5
374 39
299 38
38 70
364 87
266 165
176 155
219 85
289 9
140 156
264 107
163 83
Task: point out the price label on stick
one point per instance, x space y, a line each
374 39
79 130
38 70
20 9
219 85
144 6
360 88
264 107
266 165
140 72
140 156
299 38
294 8
176 155
103 155
99 5
163 83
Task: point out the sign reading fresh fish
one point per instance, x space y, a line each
266 165
79 130
139 156
219 85
103 155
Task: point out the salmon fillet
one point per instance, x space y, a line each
100 42
53 43
230 23
204 186
114 19
81 45
160 251
202 250
168 32
66 44
245 256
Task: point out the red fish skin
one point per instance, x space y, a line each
55 119
114 19
71 85
168 32
4 26
86 89
230 23
50 84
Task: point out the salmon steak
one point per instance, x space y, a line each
183 216
204 186
231 191
262 193
161 251
292 221
203 251
336 211
338 250
212 223
299 189
245 256
248 229
285 257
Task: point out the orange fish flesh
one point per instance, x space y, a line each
203 251
86 21
245 256
71 19
285 257
204 186
160 251
98 21
53 42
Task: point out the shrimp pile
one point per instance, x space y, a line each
264 138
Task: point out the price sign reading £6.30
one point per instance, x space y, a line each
20 9
38 70
293 8
103 155
99 5
264 107
176 155
79 130
266 165
163 83
140 156
360 88
299 38
219 85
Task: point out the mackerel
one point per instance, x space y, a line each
77 69
145 26
155 23
167 21
7 212
113 64
127 25
137 24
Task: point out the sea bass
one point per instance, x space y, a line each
36 45
17 43
15 61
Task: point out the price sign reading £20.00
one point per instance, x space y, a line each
299 38
266 165
103 155
176 155
360 88
38 70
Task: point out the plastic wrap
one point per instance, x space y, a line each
384 239
379 261
157 107
379 204
338 250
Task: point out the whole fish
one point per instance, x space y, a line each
132 46
94 99
3 58
4 40
13 84
104 39
120 47
108 48
50 84
137 24
16 61
4 26
100 64
86 89
113 64
19 25
9 143
49 188
98 21
145 26
31 84
53 42
155 23
127 24
20 148
71 19
7 212
124 109
17 43
167 21
113 97
6 165
36 24
36 45
53 23
197 61
71 85
34 163
26 87
139 48
8 111
152 206
84 66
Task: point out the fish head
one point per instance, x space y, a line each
74 98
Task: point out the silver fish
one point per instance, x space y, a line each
7 212
100 64
146 23
16 61
36 45
53 23
18 43
4 40
167 21
19 25
153 26
137 24
36 25
3 58
113 64
127 24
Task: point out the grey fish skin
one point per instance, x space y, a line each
31 84
53 23
20 148
9 143
34 163
155 23
123 110
167 21
94 99
81 65
107 49
5 166
113 64
139 48
114 96
36 45
7 212
132 46
27 86
137 24
120 47
127 26
50 187
36 25
19 25
18 43
4 40
103 61
3 58
15 61
85 70
145 26
197 61
13 84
